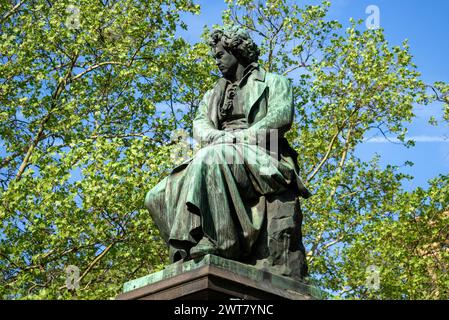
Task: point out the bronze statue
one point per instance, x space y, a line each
238 196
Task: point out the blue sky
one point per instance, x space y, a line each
425 24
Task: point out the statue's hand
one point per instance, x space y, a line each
226 137
245 136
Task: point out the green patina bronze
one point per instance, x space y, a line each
237 197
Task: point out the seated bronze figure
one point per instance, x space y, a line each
237 197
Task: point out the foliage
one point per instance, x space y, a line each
88 108
84 134
410 246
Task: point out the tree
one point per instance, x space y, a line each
409 246
83 135
91 94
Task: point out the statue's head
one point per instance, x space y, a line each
232 46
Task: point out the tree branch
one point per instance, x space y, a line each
40 134
300 65
314 248
11 12
97 259
96 67
326 156
31 148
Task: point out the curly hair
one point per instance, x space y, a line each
237 41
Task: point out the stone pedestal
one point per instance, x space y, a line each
212 278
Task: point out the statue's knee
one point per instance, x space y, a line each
214 154
156 195
149 199
204 153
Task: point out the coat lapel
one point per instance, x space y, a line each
215 100
253 90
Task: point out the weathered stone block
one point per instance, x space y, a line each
213 277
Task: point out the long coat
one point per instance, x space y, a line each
267 103
227 203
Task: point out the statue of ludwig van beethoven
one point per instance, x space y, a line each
237 198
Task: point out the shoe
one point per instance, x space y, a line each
177 254
180 255
204 247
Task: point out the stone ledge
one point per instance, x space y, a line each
213 277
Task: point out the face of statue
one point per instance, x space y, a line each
226 61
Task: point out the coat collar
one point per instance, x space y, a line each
253 90
259 74
255 72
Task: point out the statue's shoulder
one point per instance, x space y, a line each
217 86
209 92
220 83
